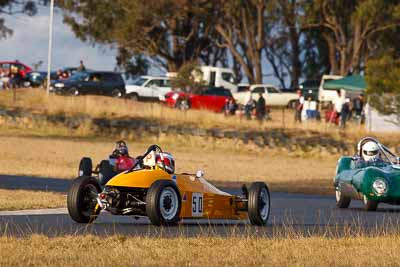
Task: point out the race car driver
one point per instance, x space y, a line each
123 161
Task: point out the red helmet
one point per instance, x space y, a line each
168 160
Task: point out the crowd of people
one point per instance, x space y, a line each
10 77
253 108
339 112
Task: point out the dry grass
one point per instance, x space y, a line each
223 161
98 106
25 199
202 251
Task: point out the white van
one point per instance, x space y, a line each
327 95
218 77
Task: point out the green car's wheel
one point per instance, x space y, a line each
163 203
259 204
342 201
369 205
85 167
82 199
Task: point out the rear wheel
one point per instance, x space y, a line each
259 203
82 199
106 172
85 167
74 92
342 201
369 205
134 97
117 93
163 203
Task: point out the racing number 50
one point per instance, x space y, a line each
197 204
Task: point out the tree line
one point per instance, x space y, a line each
297 39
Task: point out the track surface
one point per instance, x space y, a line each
290 213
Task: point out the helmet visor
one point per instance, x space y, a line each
370 153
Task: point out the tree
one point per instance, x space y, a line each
348 25
383 85
12 7
241 26
171 32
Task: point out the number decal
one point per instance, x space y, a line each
197 204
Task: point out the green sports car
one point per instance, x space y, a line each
372 182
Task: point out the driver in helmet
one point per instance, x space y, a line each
370 152
123 161
166 162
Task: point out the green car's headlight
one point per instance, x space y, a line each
380 186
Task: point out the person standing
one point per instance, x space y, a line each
358 106
299 106
249 104
345 112
260 108
338 104
81 66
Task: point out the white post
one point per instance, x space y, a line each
49 55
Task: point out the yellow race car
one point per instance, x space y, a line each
151 188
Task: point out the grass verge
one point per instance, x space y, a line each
201 251
26 199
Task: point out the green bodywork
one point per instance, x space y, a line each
354 179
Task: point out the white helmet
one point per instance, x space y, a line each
370 151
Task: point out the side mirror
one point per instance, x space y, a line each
199 174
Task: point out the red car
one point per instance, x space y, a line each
213 98
7 66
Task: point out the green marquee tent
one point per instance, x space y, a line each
350 83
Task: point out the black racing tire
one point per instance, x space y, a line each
74 91
81 199
342 202
369 205
259 203
106 172
134 97
117 93
163 203
85 167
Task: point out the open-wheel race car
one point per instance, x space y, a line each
117 162
151 188
372 175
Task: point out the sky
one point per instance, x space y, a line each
29 44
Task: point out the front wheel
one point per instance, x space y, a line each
182 104
82 199
342 201
369 205
74 92
163 203
259 204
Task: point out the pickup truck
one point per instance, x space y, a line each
273 96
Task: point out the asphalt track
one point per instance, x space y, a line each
290 214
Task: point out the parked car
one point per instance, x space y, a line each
327 95
22 69
212 98
148 87
273 96
91 82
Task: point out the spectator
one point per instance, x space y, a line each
59 74
81 66
230 107
249 106
299 106
345 112
260 108
358 106
338 103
